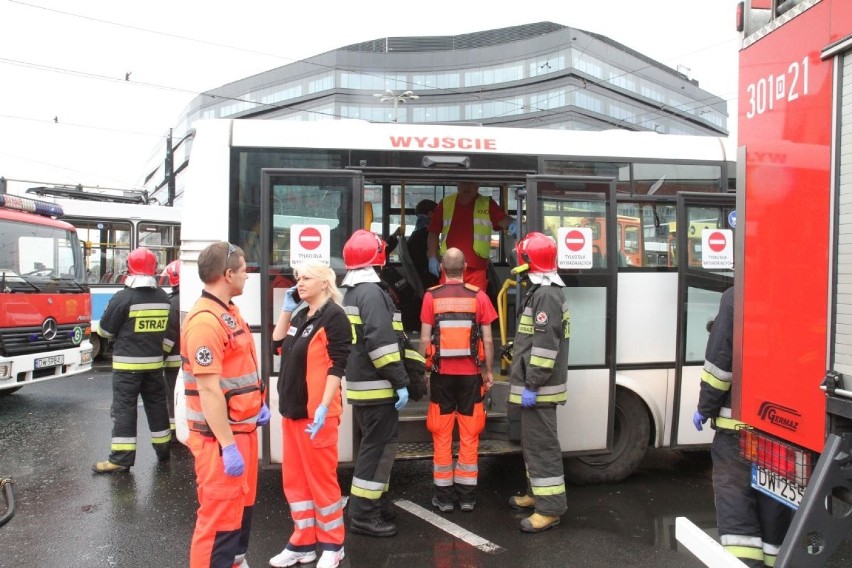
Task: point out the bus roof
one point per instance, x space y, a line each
108 210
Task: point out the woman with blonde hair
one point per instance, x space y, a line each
315 342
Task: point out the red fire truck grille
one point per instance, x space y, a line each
27 340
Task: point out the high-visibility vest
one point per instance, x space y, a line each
456 332
239 381
481 224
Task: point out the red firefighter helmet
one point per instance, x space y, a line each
141 262
538 252
364 249
173 272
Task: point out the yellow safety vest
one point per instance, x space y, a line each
481 224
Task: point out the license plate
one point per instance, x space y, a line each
777 487
53 361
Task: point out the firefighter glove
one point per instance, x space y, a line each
434 266
233 460
513 229
319 420
276 346
528 398
403 398
290 302
264 416
698 420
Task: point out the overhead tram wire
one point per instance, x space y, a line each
292 60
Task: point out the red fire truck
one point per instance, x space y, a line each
793 333
45 304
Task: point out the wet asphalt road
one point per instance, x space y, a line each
51 434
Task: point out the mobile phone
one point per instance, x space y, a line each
296 297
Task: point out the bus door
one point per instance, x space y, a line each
705 223
580 214
304 214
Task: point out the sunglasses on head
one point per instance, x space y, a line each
231 250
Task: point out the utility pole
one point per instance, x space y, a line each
170 170
2 186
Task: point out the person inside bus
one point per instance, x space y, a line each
464 220
751 525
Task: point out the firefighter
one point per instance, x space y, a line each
171 342
455 335
376 384
135 319
538 377
751 525
224 406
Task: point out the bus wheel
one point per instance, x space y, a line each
630 440
7 392
96 346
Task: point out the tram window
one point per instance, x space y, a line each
162 240
108 244
618 170
671 179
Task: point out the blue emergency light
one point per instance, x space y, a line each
30 205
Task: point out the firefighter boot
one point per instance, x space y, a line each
107 466
522 502
538 523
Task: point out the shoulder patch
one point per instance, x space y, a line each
308 330
229 320
204 356
541 318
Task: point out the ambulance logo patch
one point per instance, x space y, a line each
308 330
229 320
541 318
203 356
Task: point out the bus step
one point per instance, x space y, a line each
423 450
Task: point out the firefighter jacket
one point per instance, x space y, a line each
540 351
481 224
456 332
714 401
216 340
315 347
171 341
375 368
136 319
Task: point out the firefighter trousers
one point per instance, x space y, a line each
226 504
543 459
455 398
379 427
751 525
309 476
126 389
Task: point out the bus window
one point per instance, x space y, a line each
557 213
108 247
670 179
163 240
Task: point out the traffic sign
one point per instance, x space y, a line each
574 247
310 242
717 249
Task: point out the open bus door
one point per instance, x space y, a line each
302 198
702 277
568 203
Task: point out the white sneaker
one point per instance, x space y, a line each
330 559
291 558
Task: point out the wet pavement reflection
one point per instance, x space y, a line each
51 434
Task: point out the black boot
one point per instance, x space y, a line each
372 527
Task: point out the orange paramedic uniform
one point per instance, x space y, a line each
215 340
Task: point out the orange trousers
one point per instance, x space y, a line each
226 503
309 476
466 472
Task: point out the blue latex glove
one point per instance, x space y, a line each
528 398
434 266
289 303
698 420
403 398
319 421
264 416
513 229
233 460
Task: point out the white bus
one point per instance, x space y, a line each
639 328
108 231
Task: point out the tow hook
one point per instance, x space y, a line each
6 486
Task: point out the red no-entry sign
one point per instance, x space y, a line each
717 241
310 238
575 240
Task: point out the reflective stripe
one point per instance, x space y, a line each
745 552
542 486
331 525
720 374
163 439
369 390
146 307
123 447
304 523
542 362
728 423
326 511
542 352
168 344
414 355
481 223
125 363
371 494
385 355
131 440
300 506
715 382
464 480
